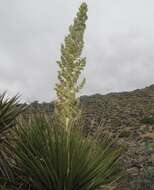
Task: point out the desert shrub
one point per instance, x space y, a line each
52 158
125 133
148 179
144 181
148 120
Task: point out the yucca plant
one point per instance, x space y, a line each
51 161
9 110
54 153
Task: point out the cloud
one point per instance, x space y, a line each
119 45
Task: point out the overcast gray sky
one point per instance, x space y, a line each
119 45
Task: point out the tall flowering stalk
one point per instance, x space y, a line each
71 64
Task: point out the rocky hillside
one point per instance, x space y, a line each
131 116
120 110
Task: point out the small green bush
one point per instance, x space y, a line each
148 120
144 182
125 133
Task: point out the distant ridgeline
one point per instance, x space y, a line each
125 109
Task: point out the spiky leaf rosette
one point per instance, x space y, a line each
71 64
51 161
9 111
